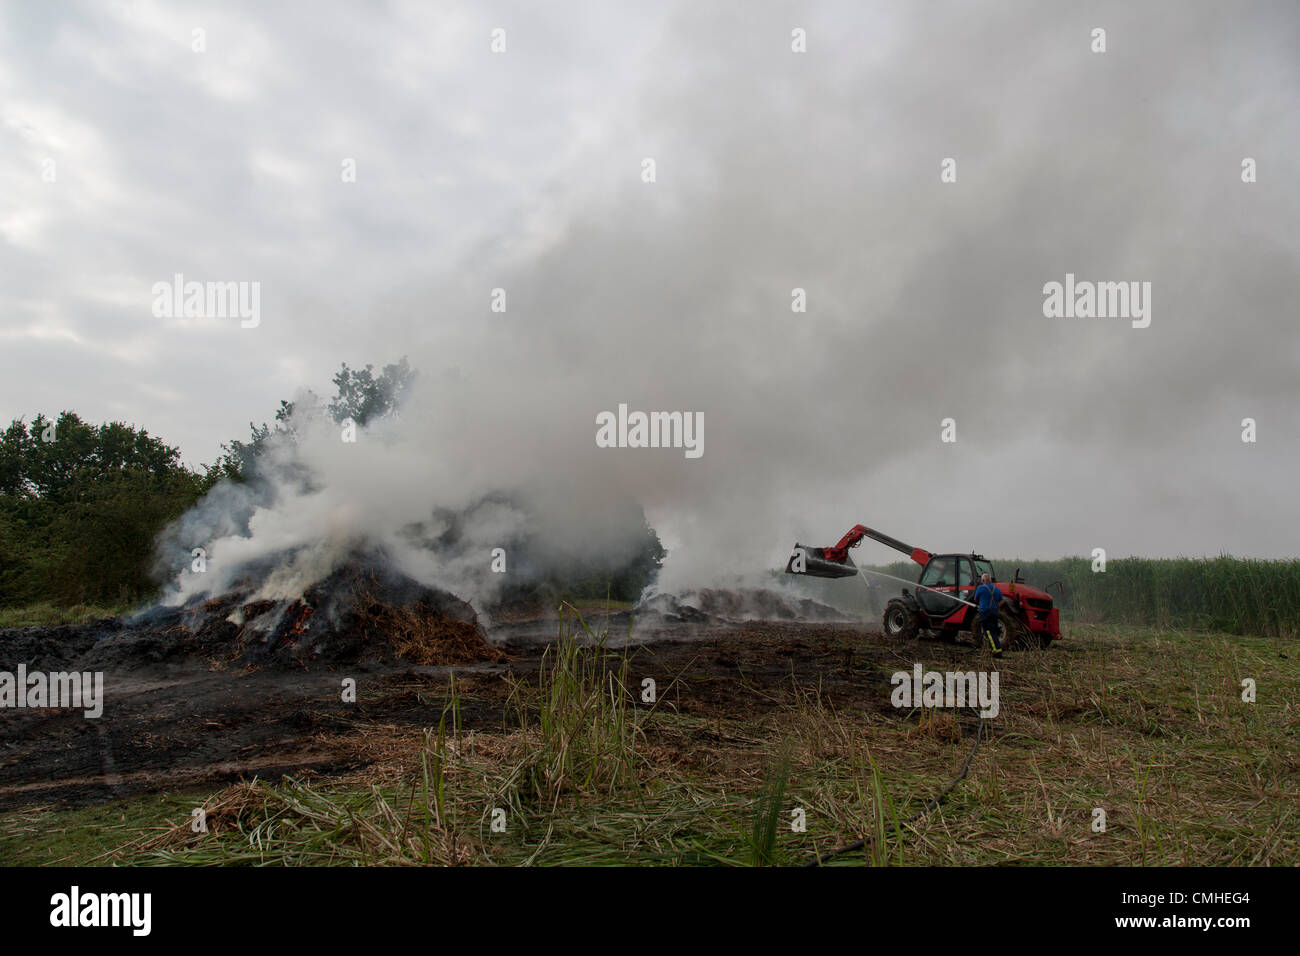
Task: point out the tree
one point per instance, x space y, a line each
80 506
364 397
360 395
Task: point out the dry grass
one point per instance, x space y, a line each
420 635
1147 726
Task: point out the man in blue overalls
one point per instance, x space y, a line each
988 598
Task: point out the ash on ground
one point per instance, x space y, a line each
736 605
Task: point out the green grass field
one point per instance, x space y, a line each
50 615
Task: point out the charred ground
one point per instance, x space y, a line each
234 688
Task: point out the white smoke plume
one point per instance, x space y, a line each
778 171
403 492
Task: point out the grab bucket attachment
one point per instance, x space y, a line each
812 562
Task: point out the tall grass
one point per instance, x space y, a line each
1232 595
766 820
580 722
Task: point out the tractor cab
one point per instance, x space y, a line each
956 574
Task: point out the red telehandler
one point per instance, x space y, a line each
943 603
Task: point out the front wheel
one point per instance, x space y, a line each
1016 635
899 621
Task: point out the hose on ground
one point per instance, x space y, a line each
929 805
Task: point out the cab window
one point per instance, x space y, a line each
939 573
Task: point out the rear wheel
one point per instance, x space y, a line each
1016 635
900 621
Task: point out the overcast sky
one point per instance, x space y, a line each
820 170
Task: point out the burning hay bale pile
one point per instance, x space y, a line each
355 616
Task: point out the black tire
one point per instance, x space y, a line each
1039 640
1016 635
899 621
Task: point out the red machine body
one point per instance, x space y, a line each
945 590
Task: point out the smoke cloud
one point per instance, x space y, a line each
774 171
